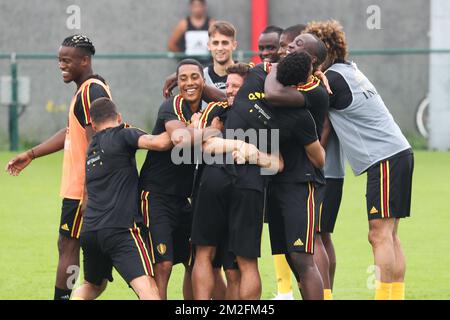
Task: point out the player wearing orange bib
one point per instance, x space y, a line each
74 58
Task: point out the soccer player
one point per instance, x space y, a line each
269 44
292 212
111 235
230 198
236 75
166 186
278 94
269 51
287 36
372 142
282 269
75 55
222 43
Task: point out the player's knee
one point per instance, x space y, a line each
396 240
68 246
98 289
326 239
205 253
247 265
379 237
302 262
163 268
233 277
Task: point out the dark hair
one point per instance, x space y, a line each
223 27
332 34
191 62
102 110
239 68
202 1
293 31
294 68
80 41
271 29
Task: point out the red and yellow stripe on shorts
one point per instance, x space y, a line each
142 250
310 231
146 217
144 207
77 223
384 189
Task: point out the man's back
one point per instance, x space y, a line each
364 125
112 179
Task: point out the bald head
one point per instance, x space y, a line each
311 44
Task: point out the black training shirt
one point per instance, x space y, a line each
159 173
112 179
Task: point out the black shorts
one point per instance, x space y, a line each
125 249
224 212
169 220
389 184
224 258
329 208
293 213
71 218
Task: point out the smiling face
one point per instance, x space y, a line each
221 47
190 82
268 45
72 62
234 82
303 43
285 40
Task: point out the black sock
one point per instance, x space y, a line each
62 294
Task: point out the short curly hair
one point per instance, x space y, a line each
332 34
294 68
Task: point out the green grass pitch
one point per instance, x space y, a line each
30 211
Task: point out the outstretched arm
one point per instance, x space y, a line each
22 160
278 95
160 142
244 152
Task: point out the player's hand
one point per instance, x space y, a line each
238 157
217 124
195 120
319 74
169 85
20 162
249 152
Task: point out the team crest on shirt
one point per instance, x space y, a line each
161 248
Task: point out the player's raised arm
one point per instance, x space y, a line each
22 160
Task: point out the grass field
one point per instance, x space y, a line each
30 212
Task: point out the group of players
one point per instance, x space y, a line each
209 215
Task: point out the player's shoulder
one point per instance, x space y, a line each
130 127
216 104
260 67
169 103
